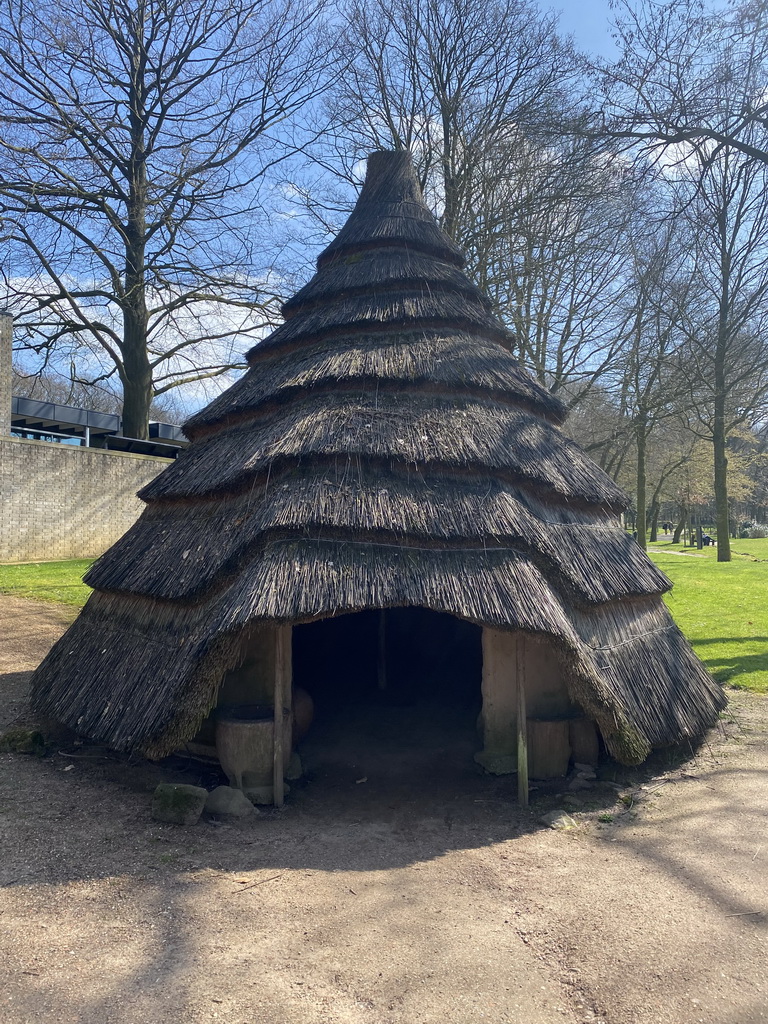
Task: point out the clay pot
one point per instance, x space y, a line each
244 743
303 713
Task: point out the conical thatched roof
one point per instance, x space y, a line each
384 449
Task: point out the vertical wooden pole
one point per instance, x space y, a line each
288 675
522 725
382 657
277 736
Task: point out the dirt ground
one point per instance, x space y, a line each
422 895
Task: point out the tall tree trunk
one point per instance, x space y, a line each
722 522
137 372
719 439
451 202
137 378
680 526
641 438
654 521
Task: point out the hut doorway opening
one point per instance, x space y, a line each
395 692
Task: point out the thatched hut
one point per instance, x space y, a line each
383 451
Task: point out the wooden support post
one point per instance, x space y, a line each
282 695
382 656
522 724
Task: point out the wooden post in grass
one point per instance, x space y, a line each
522 725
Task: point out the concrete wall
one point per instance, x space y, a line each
62 501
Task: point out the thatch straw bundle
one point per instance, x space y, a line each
384 449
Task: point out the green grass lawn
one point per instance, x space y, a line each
47 581
722 607
741 550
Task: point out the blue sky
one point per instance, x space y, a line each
587 21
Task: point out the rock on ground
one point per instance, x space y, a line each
225 800
178 804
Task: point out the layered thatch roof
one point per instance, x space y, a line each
384 449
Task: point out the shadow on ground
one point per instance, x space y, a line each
406 774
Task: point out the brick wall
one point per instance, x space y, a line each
61 501
6 341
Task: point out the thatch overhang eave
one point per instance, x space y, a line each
338 390
376 314
383 269
157 572
134 674
404 428
423 484
300 579
180 550
649 665
413 241
399 224
449 358
435 293
547 505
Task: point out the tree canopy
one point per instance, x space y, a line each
136 137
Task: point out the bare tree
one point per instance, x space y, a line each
654 381
64 388
689 76
49 386
484 96
688 94
727 350
448 79
552 225
599 426
135 136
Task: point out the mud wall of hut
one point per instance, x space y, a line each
59 501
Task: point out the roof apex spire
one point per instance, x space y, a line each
390 212
391 178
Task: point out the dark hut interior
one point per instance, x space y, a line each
403 656
406 689
385 459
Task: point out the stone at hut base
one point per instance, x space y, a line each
225 800
497 764
558 820
21 740
178 804
572 802
295 768
578 784
263 794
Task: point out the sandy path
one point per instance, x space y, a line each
374 907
